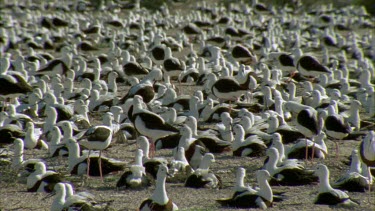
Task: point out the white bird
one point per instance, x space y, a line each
159 199
327 195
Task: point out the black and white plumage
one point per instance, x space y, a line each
159 199
367 151
328 195
335 125
251 146
288 133
10 132
307 118
151 164
78 164
188 142
97 137
172 65
13 86
225 88
135 177
55 148
291 174
353 180
64 112
148 123
32 140
310 66
65 199
179 167
315 148
157 50
42 180
144 88
18 161
203 177
243 55
245 197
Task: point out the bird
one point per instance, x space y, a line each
290 174
148 123
65 200
78 164
159 199
288 133
179 167
172 66
42 180
336 127
353 180
55 147
225 88
13 85
243 55
307 120
32 138
316 148
151 164
328 195
145 87
203 177
245 197
135 178
18 161
97 137
367 151
310 66
10 132
251 146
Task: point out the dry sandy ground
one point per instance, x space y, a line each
13 195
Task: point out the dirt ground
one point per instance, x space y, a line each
13 195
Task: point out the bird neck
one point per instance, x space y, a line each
292 91
355 166
239 137
69 190
205 164
193 127
280 148
59 201
73 153
271 164
193 106
68 133
240 182
273 124
185 140
324 185
160 193
146 150
18 156
265 189
138 160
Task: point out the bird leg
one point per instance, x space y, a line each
100 165
152 148
337 149
313 151
292 74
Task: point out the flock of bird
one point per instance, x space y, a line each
247 80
